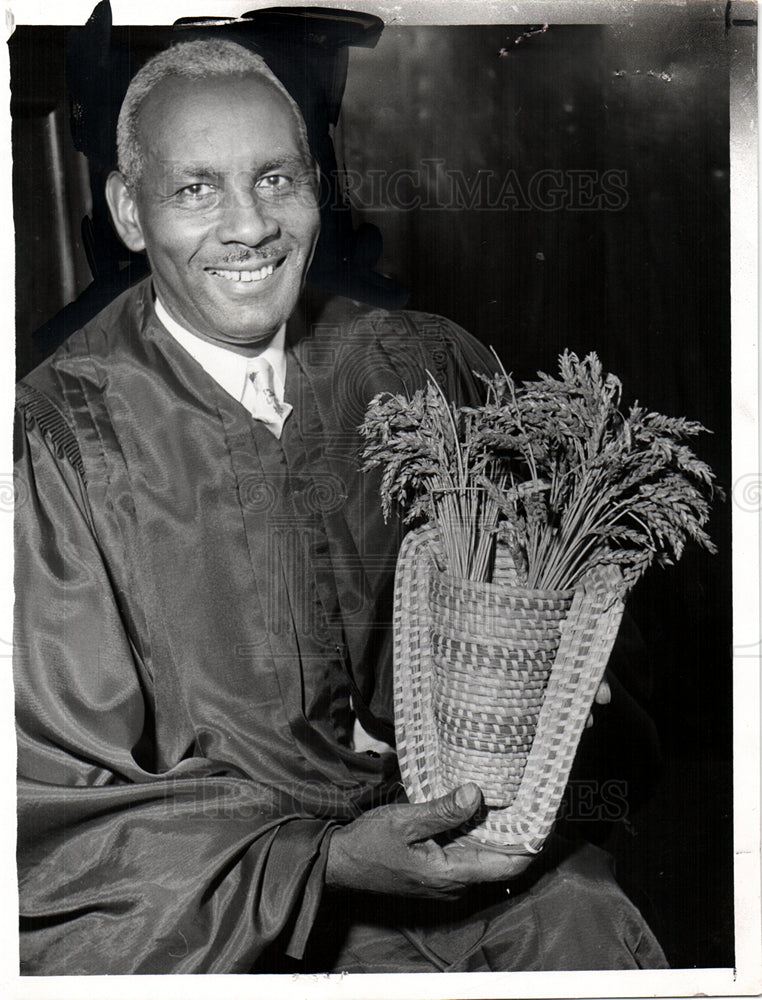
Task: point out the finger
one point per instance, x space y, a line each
425 819
479 864
589 721
603 694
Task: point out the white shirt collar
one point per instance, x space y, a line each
226 367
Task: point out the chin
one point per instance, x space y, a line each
247 334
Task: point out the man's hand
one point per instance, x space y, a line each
390 850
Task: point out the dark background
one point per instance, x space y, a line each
643 280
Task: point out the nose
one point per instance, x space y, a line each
246 219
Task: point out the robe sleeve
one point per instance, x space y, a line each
122 870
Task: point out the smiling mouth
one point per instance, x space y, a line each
246 276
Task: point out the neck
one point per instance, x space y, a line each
245 350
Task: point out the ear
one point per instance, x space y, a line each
124 212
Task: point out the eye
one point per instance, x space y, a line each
274 185
196 193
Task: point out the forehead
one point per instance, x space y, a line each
226 120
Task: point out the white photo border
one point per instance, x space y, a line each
746 978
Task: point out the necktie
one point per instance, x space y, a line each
259 396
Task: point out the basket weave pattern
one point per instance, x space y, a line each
493 649
493 684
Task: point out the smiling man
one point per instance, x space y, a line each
203 600
222 198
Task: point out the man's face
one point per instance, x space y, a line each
226 206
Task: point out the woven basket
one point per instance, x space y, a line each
493 684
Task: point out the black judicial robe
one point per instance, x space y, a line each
195 604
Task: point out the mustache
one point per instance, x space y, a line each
251 256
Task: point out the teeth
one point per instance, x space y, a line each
263 272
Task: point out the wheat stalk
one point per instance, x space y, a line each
551 464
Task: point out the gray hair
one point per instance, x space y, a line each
197 60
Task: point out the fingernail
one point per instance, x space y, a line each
463 796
